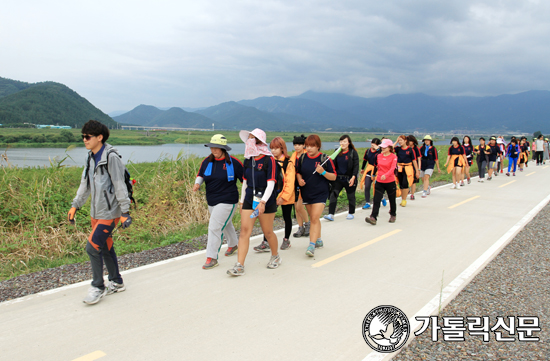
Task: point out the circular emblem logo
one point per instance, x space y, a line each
386 329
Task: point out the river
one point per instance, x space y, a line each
39 157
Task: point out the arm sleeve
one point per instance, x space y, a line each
199 180
268 190
83 192
243 190
271 170
116 171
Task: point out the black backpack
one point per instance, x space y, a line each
127 178
279 176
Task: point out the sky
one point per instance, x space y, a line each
119 54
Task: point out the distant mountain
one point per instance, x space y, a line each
117 113
232 115
322 116
177 117
140 115
523 112
47 103
151 116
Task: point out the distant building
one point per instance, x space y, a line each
42 126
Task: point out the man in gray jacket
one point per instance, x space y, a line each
103 179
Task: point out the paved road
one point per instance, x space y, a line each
308 309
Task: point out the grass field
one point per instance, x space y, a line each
27 137
35 235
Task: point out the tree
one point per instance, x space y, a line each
537 134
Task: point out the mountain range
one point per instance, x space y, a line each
313 111
45 103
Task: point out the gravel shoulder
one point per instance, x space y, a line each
515 283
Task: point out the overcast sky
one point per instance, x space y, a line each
119 54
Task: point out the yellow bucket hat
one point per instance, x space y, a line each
218 141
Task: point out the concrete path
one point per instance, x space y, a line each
308 309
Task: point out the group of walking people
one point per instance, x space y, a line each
270 177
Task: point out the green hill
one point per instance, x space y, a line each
8 86
140 115
47 103
179 118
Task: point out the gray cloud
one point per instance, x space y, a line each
120 54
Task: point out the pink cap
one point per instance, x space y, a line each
258 133
386 143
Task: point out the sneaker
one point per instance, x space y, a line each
496 174
262 247
310 250
489 178
508 174
453 186
412 197
384 202
501 171
237 270
469 181
94 295
350 216
482 180
392 219
424 194
514 174
319 243
274 262
329 217
306 228
429 190
210 263
462 183
403 203
371 220
299 233
231 251
366 206
285 244
115 287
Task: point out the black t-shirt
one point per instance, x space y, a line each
428 158
218 188
406 155
495 151
469 149
482 149
317 186
456 150
342 161
260 179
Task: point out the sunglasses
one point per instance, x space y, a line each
87 136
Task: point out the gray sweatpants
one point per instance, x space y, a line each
220 226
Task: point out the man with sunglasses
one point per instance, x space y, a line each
103 179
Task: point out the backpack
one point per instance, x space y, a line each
279 176
128 180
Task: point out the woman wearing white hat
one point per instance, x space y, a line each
258 198
219 171
429 159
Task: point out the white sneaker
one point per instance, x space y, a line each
453 186
114 287
482 180
424 194
94 295
274 262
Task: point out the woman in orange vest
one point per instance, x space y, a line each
456 160
285 199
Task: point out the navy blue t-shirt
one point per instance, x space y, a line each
317 186
260 179
405 155
342 161
218 189
456 150
97 156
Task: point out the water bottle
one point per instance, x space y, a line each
255 203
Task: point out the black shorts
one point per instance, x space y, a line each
403 180
469 162
268 209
